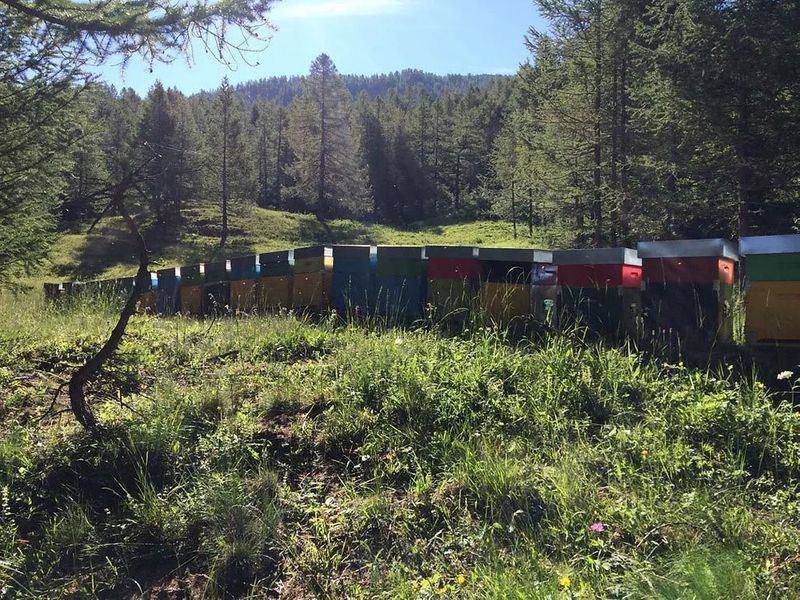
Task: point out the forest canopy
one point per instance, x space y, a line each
629 120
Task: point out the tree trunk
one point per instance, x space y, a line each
279 161
623 144
224 236
614 172
597 206
513 209
436 162
90 370
323 151
530 212
745 172
458 181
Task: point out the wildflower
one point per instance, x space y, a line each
442 591
597 527
644 453
565 582
784 375
461 580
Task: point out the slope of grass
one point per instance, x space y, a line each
109 252
275 456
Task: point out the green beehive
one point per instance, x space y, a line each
193 275
217 271
276 264
773 267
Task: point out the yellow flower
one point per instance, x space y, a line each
461 580
442 591
565 582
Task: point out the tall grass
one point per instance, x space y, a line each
315 458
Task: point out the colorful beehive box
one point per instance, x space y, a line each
454 274
311 285
600 288
353 279
772 289
217 288
401 282
53 291
275 284
191 289
245 273
148 300
167 289
507 282
688 287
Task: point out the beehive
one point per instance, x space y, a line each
600 288
400 282
245 271
507 282
167 290
148 299
191 289
275 284
688 287
772 289
353 279
454 274
311 285
217 288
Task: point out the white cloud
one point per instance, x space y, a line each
310 9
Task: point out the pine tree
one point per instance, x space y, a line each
328 175
168 133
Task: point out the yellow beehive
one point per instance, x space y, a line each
275 292
244 295
192 299
773 312
311 290
504 302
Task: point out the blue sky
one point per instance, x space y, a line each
363 37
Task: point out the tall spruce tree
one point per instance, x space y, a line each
327 171
168 132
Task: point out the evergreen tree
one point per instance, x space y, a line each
40 127
168 132
326 170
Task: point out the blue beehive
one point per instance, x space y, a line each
353 284
401 282
168 286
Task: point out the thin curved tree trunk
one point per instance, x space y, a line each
90 370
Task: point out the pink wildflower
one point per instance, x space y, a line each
597 527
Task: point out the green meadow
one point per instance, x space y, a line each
280 456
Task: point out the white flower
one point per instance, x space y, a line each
784 375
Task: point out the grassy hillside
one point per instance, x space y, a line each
271 456
108 251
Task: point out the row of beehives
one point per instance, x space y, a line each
685 287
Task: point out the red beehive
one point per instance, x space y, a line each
599 276
453 262
695 269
